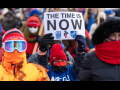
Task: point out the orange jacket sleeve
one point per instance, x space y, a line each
45 76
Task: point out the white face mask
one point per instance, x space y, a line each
18 15
111 15
33 29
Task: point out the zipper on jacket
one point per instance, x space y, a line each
13 70
116 72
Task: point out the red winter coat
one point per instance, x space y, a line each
30 46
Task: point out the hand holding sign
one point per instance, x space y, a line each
44 41
64 25
81 43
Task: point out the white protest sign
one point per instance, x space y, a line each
64 25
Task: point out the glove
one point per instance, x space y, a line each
28 55
81 43
44 41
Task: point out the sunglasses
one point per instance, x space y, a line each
11 45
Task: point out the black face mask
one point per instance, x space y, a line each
90 15
101 20
59 69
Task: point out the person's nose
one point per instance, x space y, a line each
117 38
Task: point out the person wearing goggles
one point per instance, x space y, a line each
14 66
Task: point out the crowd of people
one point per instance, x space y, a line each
93 58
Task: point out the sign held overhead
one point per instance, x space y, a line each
64 25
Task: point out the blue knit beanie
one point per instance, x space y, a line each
34 11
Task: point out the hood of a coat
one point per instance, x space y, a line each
10 12
18 61
105 29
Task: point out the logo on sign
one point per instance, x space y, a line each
58 34
65 34
73 33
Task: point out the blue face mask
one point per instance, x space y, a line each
8 18
27 15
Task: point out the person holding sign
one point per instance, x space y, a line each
59 69
69 56
47 38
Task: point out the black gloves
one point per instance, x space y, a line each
81 43
28 55
44 41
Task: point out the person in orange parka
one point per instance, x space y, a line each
14 66
31 32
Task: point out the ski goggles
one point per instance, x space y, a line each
11 45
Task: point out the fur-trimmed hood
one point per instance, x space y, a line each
106 28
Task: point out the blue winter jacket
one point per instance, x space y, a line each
67 75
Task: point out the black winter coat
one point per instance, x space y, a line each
93 69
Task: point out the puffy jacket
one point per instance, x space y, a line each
26 72
93 69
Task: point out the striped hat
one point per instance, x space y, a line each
13 33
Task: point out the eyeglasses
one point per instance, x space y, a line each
11 45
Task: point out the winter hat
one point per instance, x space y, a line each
5 11
103 15
0 41
13 33
17 10
107 12
34 11
57 53
33 21
105 29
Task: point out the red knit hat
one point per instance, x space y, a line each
13 33
33 21
57 53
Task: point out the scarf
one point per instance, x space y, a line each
27 35
59 69
9 60
109 52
